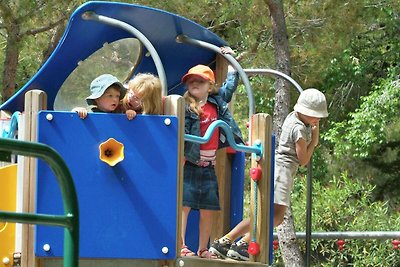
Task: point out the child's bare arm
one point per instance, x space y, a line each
304 152
82 112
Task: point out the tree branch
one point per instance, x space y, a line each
45 28
223 25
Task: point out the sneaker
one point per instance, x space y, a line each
239 251
220 249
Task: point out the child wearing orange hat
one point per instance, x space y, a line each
205 103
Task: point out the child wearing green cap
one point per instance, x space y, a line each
106 94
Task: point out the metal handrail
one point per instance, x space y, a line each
257 149
139 35
349 235
70 219
251 72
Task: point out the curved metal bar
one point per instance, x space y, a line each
13 127
231 140
70 220
132 30
276 73
185 39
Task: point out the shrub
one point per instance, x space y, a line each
344 204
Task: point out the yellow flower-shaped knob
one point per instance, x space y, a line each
111 152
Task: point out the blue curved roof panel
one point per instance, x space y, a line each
83 37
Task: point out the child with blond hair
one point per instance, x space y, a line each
205 103
144 94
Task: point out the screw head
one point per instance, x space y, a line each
167 121
46 247
6 260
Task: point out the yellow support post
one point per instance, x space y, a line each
8 192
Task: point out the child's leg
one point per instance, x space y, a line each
205 225
246 238
239 230
185 214
184 250
279 212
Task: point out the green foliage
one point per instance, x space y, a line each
344 204
367 145
370 55
318 31
35 21
368 125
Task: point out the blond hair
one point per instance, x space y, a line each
148 88
194 105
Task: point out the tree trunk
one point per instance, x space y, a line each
288 243
12 52
10 64
282 57
13 26
286 232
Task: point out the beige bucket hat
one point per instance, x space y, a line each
312 102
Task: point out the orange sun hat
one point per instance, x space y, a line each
201 71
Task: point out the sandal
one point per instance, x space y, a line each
185 252
204 253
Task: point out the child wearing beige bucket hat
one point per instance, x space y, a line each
297 142
299 137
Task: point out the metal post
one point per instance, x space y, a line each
309 213
132 30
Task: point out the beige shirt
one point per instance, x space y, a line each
292 130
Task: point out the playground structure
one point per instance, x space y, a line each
129 206
129 211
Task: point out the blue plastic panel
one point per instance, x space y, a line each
126 211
